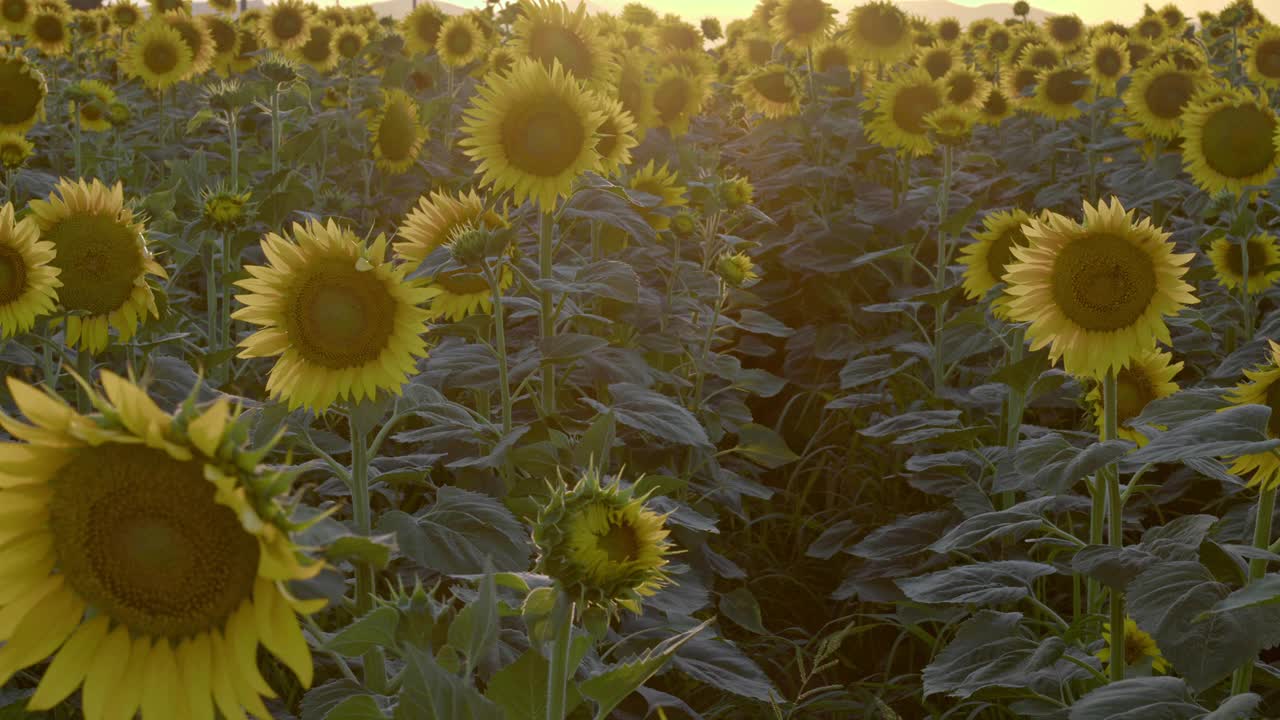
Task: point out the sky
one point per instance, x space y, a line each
1091 10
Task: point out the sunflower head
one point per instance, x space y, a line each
1066 31
435 218
460 41
278 68
196 35
966 88
224 209
951 125
15 16
1231 143
992 249
159 556
318 51
1061 90
1148 377
15 149
900 106
421 28
711 28
1261 252
349 41
92 100
1096 293
1263 59
678 96
1159 94
158 55
48 31
1261 386
938 60
737 192
28 280
285 25
24 90
1151 28
639 14
879 32
396 132
552 34
736 270
616 136
996 107
771 90
1108 60
602 543
802 23
1139 647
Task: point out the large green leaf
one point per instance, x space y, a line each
612 686
458 531
988 583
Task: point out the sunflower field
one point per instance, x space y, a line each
536 362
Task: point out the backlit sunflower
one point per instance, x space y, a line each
247 51
1231 143
224 37
48 31
225 7
601 543
951 125
939 60
460 42
499 60
15 16
550 33
1185 55
1173 16
1020 82
662 183
832 56
1261 387
772 90
532 131
900 105
28 282
754 50
93 98
1149 376
1096 293
1263 59
634 90
1067 32
157 55
1139 51
996 107
879 32
966 88
672 33
615 136
1151 28
318 50
1040 55
437 215
342 319
285 25
1228 262
1060 91
160 7
986 257
1108 61
102 258
1159 94
396 131
15 149
1139 647
803 23
196 36
421 28
949 30
349 41
997 43
150 558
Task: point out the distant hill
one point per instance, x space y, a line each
394 8
938 9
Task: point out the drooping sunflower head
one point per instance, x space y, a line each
1108 61
939 60
1261 386
195 34
991 250
91 100
900 106
1096 293
421 28
102 258
28 281
803 23
396 132
15 149
1261 252
156 557
634 89
1148 377
285 25
157 55
1231 143
349 41
551 33
951 125
879 32
996 107
771 90
1066 31
663 186
602 543
460 42
49 32
341 318
15 16
533 131
1061 90
966 87
615 136
1263 59
437 215
1159 94
736 270
1139 647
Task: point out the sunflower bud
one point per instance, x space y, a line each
119 114
684 224
15 149
225 210
737 192
711 29
278 68
227 95
736 269
469 245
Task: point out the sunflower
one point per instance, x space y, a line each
160 7
879 32
196 36
15 149
996 107
939 60
1158 96
1108 61
421 28
951 125
1139 51
1231 143
602 544
430 225
349 41
1040 56
1261 387
460 42
754 50
15 16
157 55
1067 32
1149 376
343 319
663 184
998 42
500 60
736 269
634 90
615 136
102 258
28 280
396 132
48 32
949 30
551 33
1173 16
802 23
153 557
1138 647
672 33
1060 90
93 99
1150 28
1228 262
285 25
533 131
247 51
991 250
772 91
678 96
318 51
224 38
832 56
1020 81
1096 293
225 7
1263 59
966 88
900 106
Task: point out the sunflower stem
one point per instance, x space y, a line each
940 275
1246 300
375 672
560 672
211 297
84 368
77 139
1115 533
547 315
224 281
1243 676
275 129
233 138
1014 407
500 338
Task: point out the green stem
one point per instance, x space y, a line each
547 315
1115 533
940 275
500 331
233 137
1246 300
1014 407
362 511
1243 677
229 262
275 130
700 372
559 674
211 295
77 139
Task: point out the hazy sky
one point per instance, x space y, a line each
1090 10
